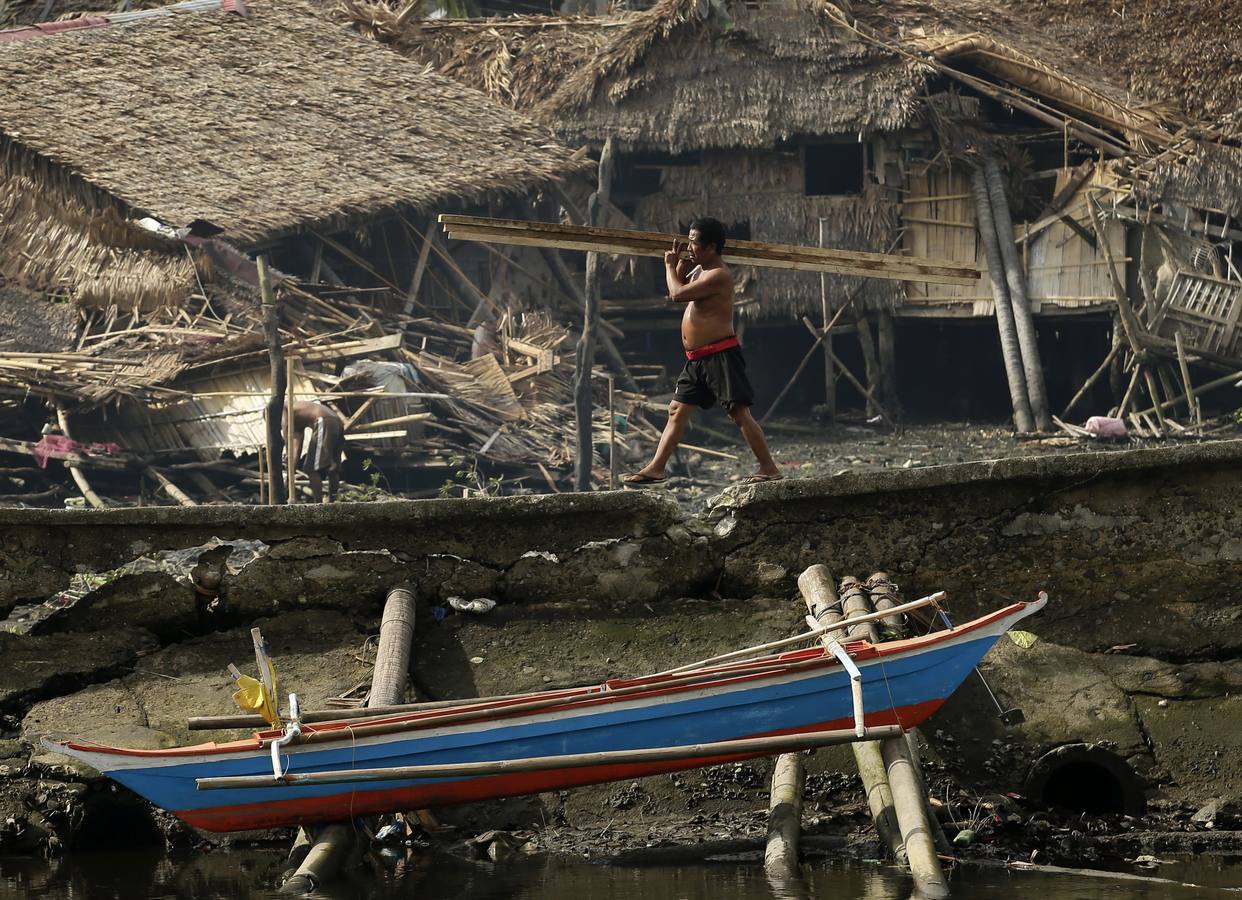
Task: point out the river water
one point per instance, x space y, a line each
248 874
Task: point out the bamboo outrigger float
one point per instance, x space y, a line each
716 711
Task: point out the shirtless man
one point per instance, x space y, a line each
323 453
715 370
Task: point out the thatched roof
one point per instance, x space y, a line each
515 60
261 125
1186 53
671 77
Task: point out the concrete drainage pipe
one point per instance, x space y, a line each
1086 778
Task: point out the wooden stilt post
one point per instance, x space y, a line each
1024 421
585 361
276 356
888 362
291 461
911 808
1015 276
830 378
334 843
871 366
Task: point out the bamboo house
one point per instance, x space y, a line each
133 198
862 126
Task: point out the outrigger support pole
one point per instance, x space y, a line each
731 750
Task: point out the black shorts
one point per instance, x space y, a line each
719 377
323 451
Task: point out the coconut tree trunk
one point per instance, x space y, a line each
1024 321
1010 348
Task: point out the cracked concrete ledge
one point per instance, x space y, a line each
1105 533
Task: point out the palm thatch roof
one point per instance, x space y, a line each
263 125
1184 53
514 60
671 77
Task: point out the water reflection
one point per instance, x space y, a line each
253 873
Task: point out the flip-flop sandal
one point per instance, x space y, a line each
640 479
760 479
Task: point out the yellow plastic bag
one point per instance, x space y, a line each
252 697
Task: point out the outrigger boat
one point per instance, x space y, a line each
720 710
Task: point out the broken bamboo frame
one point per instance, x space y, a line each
1192 405
74 471
867 393
753 253
729 750
1095 376
825 337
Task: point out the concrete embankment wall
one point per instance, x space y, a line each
1141 552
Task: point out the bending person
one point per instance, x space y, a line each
325 449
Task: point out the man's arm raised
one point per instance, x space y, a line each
708 284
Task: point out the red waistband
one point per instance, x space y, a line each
713 347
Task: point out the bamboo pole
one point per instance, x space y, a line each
1095 376
855 602
612 435
173 491
709 753
1155 398
334 843
886 331
809 635
585 358
780 858
830 378
1010 349
1192 405
291 461
819 593
910 805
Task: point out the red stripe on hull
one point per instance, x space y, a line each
308 810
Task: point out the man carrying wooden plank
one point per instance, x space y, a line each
715 370
326 447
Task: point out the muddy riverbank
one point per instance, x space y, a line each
1137 654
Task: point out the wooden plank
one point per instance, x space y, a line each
642 243
793 261
347 348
